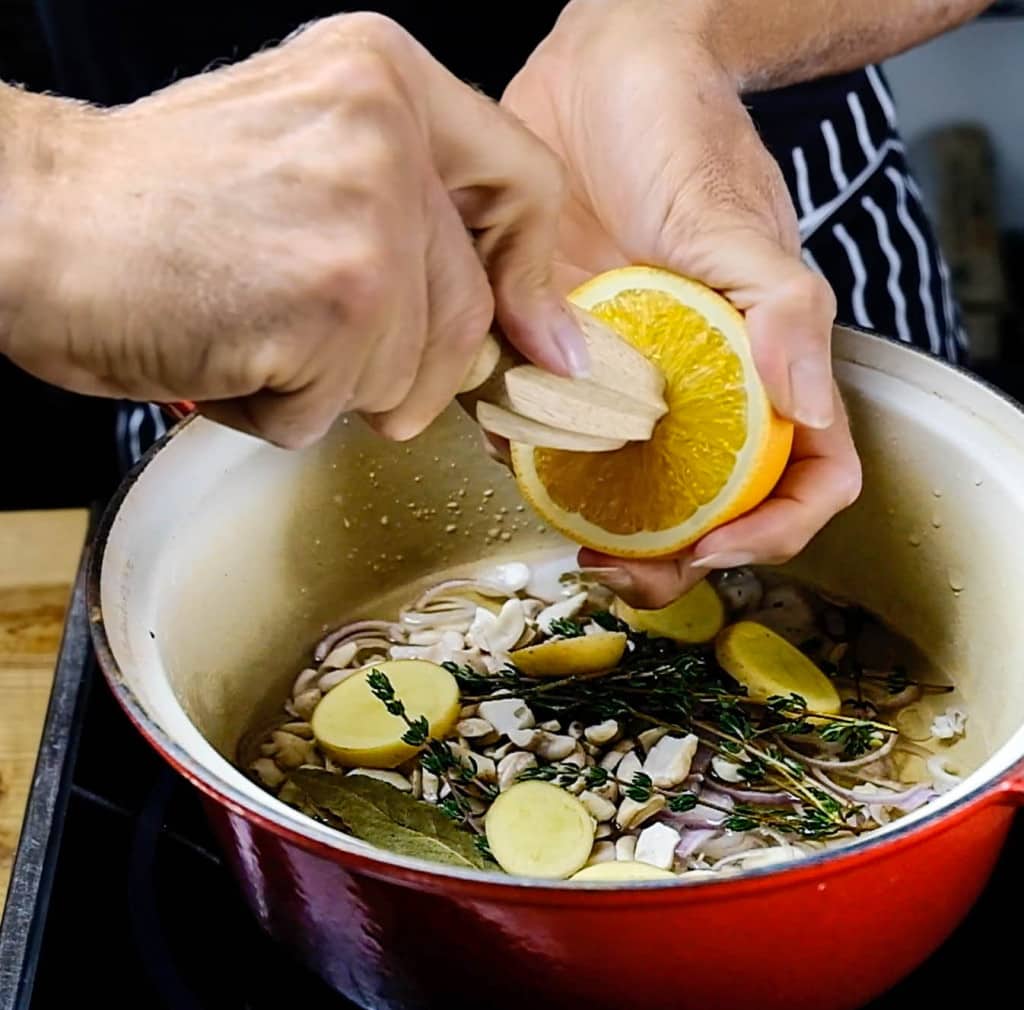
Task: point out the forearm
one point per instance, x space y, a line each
766 44
38 136
18 122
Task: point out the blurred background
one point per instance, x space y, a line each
959 101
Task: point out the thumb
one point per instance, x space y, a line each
516 231
536 321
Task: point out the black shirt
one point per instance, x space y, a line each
114 51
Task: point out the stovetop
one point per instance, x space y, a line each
120 897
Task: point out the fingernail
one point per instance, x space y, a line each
726 559
573 345
616 579
810 380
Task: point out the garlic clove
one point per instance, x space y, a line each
560 611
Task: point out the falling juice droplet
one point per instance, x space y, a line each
384 520
955 577
914 540
890 511
937 520
978 481
493 532
450 528
506 536
417 478
937 491
488 492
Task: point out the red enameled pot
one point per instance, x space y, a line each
222 560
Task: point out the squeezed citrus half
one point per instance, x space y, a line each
716 453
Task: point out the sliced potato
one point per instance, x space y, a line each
623 870
694 618
536 829
766 664
353 726
572 657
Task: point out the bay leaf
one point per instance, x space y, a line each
382 815
295 796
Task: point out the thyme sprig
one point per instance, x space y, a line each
810 823
566 627
895 681
439 757
683 689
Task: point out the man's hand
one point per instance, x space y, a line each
665 166
329 226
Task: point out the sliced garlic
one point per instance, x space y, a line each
560 611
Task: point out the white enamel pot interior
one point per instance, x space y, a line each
223 560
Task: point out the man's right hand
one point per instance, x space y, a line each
329 226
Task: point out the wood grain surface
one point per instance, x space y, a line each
39 553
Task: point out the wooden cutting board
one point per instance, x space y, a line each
39 554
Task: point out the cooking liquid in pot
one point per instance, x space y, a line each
735 784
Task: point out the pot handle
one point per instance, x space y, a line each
1013 786
179 410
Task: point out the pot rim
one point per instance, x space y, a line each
1007 783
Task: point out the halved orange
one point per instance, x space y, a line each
718 451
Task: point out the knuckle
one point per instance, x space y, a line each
813 294
365 80
396 385
470 323
789 545
287 432
397 427
849 484
374 30
263 363
655 598
356 286
358 29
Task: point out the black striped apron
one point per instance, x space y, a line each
862 223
